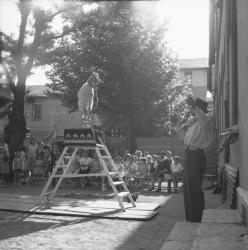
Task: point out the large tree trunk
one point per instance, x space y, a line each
15 130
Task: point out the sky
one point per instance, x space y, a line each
187 22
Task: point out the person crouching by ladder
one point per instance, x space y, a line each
84 162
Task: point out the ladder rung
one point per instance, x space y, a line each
122 194
47 193
105 157
113 173
78 175
118 183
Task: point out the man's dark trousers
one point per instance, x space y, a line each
194 168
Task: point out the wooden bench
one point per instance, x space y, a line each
231 182
147 180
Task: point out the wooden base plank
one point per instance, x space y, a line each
75 207
98 203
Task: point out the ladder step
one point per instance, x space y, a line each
118 183
113 173
106 157
123 194
47 193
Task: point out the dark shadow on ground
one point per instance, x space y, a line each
29 224
148 235
151 235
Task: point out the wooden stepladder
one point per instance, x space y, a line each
66 163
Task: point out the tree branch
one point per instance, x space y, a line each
58 36
49 19
62 34
39 26
25 11
9 79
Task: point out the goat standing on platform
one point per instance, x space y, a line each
86 96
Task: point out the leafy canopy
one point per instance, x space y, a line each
138 69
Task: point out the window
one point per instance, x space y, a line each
188 76
37 111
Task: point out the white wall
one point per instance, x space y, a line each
199 77
242 8
53 116
198 81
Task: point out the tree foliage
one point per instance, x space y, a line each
35 38
138 68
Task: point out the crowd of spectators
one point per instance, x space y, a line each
30 164
136 169
35 161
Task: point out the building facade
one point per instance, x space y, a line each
196 71
45 115
228 82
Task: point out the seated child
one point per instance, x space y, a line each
95 167
176 170
120 166
151 162
38 171
132 170
163 168
84 163
126 164
142 171
121 170
4 166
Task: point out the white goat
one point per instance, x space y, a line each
86 96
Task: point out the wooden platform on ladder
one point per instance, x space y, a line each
85 138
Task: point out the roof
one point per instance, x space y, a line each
193 63
37 90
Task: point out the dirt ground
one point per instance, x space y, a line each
60 232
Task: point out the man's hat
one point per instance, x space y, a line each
201 104
95 77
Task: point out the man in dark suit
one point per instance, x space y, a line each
198 135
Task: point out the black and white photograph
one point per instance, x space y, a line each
123 125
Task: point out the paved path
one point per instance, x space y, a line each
55 232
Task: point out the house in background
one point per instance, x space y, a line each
195 70
228 82
45 115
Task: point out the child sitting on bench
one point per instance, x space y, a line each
176 171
